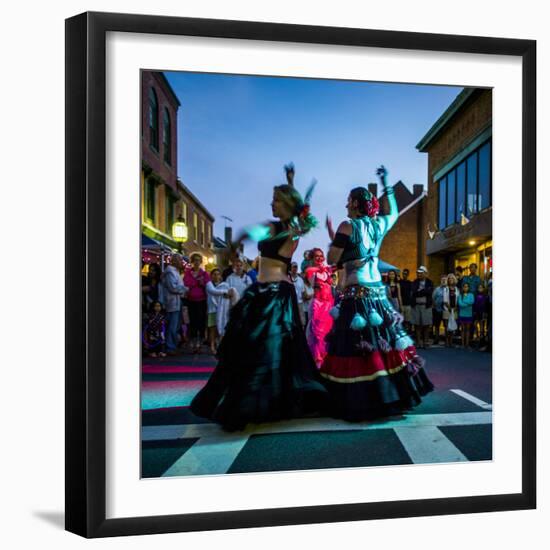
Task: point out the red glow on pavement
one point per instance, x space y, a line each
167 369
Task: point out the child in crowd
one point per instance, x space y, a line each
481 305
154 332
465 313
450 299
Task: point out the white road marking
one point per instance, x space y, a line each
427 444
181 431
473 399
209 455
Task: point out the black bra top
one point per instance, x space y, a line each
269 248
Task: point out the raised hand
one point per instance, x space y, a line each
289 169
382 172
330 227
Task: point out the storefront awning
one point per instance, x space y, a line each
384 267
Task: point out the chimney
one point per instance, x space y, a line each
373 188
228 235
417 190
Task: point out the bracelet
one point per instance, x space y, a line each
389 190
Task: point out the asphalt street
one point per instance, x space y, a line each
453 424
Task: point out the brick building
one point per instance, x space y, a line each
164 197
401 246
458 207
200 223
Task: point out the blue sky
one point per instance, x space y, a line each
235 133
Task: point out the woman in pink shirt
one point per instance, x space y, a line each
195 279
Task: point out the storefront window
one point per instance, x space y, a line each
485 176
150 205
451 184
442 203
472 184
460 191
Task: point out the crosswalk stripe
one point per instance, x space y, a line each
473 399
182 431
428 444
208 456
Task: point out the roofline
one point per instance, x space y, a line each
449 113
412 203
167 84
188 191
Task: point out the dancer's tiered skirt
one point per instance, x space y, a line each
265 369
372 368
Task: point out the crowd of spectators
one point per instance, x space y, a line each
186 308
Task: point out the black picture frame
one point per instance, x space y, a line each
86 279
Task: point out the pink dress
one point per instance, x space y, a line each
320 320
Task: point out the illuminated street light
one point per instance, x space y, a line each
180 232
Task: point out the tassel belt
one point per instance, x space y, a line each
359 291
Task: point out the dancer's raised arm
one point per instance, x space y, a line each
388 221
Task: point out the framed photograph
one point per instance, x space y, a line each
300 268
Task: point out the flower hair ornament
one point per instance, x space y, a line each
372 206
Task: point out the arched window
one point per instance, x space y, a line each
153 119
167 136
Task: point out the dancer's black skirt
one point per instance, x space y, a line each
265 369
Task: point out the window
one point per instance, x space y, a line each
150 202
209 235
167 137
460 191
442 203
471 164
203 232
184 211
451 190
195 227
467 188
153 119
484 171
169 213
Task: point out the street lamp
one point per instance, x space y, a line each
179 232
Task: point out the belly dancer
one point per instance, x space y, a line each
265 369
372 368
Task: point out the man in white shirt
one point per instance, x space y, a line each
299 286
238 280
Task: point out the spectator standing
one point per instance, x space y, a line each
195 280
459 273
472 279
437 308
405 288
154 333
421 314
299 287
238 279
173 290
218 293
307 297
450 305
394 290
307 261
481 306
151 287
252 270
465 313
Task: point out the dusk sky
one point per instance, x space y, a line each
235 133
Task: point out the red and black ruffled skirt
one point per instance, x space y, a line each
372 368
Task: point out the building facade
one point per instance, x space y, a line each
458 206
159 188
401 247
165 198
200 225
